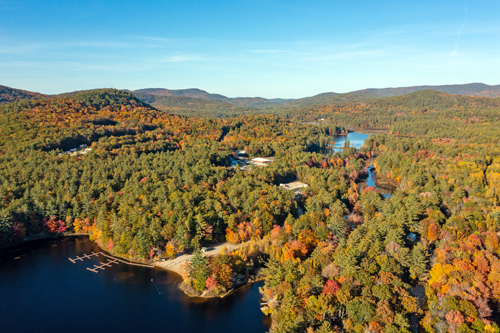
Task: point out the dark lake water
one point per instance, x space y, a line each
42 291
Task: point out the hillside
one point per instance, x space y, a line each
425 112
198 93
194 107
432 99
9 95
323 98
329 98
314 107
422 100
101 98
65 123
471 89
156 97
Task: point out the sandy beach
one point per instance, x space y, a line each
174 265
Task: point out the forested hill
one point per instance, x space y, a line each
101 98
425 112
417 102
432 99
9 95
194 107
67 122
324 98
329 98
471 89
196 102
198 93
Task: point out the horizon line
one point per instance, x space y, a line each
234 97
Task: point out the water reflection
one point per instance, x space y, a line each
371 181
56 295
355 139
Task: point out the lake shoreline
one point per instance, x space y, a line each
368 130
40 270
189 291
173 269
41 236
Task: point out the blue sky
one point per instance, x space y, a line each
287 49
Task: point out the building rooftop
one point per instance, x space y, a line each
262 160
294 186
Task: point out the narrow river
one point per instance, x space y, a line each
356 140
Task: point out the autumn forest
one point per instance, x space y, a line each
149 178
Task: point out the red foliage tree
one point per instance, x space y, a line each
110 245
211 283
55 226
331 287
19 230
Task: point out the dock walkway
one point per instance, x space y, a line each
102 266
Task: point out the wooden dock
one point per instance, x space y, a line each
103 266
85 256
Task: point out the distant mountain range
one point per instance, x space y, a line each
198 93
196 99
471 89
193 106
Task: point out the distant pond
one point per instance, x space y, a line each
42 291
355 140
